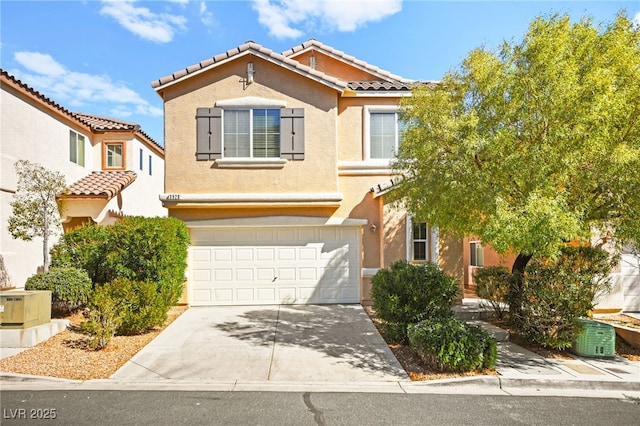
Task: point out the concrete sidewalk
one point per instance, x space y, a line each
329 349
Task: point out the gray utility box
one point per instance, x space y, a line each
596 340
24 309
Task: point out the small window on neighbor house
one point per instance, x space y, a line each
420 240
150 161
476 253
113 155
141 160
76 148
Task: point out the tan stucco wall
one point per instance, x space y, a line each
333 67
316 173
351 125
451 260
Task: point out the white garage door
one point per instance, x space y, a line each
274 265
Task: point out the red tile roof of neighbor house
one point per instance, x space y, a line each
105 184
387 82
93 122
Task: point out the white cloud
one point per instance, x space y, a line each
284 17
636 19
77 89
141 21
40 63
206 17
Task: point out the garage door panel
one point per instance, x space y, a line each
274 265
245 295
223 275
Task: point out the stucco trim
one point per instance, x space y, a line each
320 199
251 102
276 221
251 163
364 168
369 272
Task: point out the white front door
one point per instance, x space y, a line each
274 265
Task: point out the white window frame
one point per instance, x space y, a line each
378 109
250 109
80 160
475 247
431 246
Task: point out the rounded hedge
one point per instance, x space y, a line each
447 344
70 287
406 293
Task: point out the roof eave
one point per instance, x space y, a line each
298 68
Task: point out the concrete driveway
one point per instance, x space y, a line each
286 343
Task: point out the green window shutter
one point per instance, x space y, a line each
292 133
209 133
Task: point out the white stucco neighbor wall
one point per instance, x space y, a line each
625 286
28 133
142 197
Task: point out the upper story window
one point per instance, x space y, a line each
113 155
150 164
141 159
76 148
383 133
476 253
251 133
237 130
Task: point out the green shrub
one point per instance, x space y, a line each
450 345
140 249
557 292
405 294
105 317
70 288
141 306
492 284
84 247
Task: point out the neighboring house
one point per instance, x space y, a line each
112 167
624 294
279 165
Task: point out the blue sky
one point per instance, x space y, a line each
99 57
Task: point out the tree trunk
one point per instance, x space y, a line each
45 243
514 298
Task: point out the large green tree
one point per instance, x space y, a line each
533 145
35 208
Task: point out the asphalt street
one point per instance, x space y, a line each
307 408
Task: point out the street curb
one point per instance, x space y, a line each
475 384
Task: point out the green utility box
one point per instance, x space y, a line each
596 340
24 309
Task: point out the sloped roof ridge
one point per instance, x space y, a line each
257 48
98 122
344 57
80 118
36 93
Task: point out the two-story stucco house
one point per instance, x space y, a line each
112 167
279 164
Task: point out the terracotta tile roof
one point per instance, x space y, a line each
251 48
94 123
379 86
101 184
102 124
384 187
338 54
